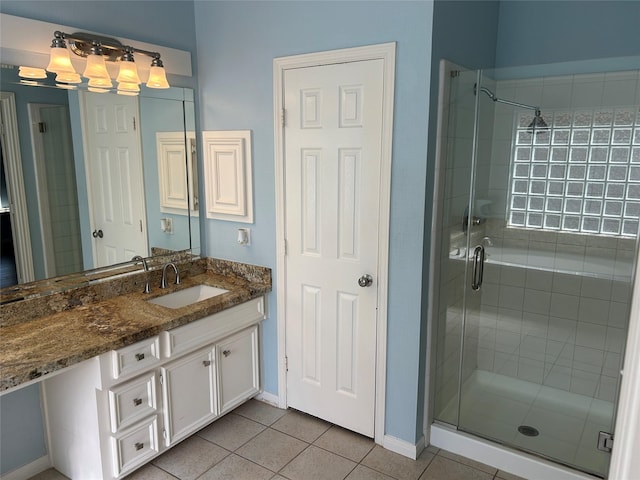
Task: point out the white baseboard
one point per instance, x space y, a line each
28 470
269 398
402 447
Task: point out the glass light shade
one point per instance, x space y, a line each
128 73
128 87
67 86
68 77
96 68
31 72
128 93
100 82
157 78
59 61
98 90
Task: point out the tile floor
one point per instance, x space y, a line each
257 441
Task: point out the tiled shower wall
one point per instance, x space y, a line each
556 328
563 328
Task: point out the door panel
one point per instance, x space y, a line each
332 171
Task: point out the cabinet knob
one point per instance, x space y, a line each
139 445
206 363
226 353
139 356
137 401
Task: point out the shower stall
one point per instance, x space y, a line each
534 240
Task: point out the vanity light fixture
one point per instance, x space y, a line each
96 49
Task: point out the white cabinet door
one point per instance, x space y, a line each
189 393
238 372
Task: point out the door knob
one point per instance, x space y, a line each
97 233
365 280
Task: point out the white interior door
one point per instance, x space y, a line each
115 177
332 147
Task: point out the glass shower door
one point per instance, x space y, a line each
538 236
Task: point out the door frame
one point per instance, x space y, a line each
385 52
15 185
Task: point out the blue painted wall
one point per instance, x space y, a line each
237 44
539 32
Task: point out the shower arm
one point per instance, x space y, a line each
508 102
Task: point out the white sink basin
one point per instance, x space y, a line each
188 296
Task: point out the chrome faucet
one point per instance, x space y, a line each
163 282
137 259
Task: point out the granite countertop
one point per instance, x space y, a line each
38 346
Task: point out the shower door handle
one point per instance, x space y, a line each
478 268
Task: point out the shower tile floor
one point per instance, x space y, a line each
257 441
494 406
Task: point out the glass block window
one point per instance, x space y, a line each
580 175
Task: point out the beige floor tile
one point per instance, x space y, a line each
302 426
346 443
231 431
191 458
442 468
395 465
365 473
272 449
234 467
260 412
317 464
467 461
150 472
49 474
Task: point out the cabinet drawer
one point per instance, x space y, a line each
134 447
207 329
135 358
132 401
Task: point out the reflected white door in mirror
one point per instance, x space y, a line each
113 159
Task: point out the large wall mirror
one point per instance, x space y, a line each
106 176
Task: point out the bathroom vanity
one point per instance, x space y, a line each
125 378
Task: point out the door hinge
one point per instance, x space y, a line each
285 247
161 380
286 363
605 441
140 226
42 127
134 123
283 117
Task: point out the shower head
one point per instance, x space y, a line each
538 123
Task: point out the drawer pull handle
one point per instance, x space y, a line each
139 356
137 401
139 445
206 363
226 353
